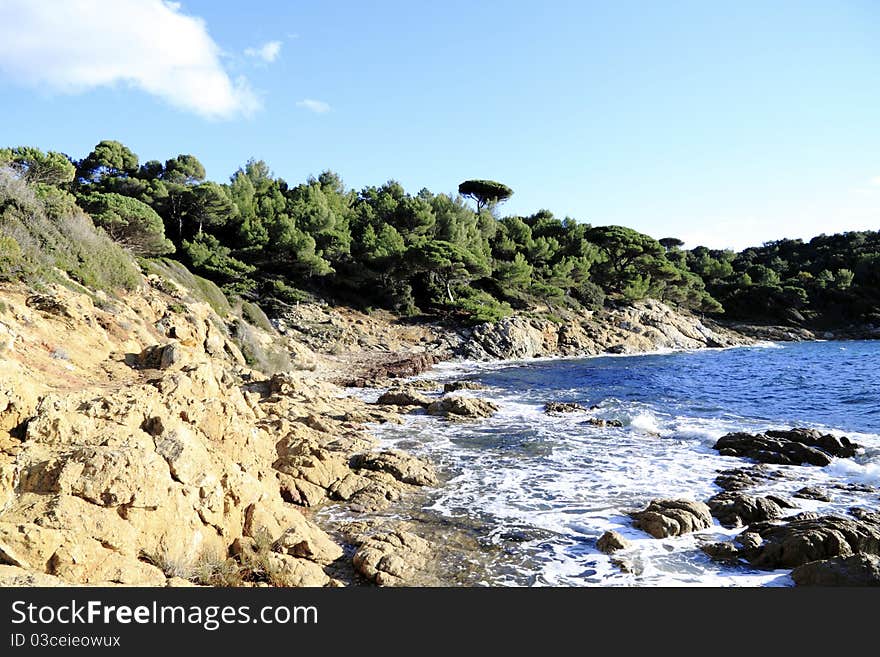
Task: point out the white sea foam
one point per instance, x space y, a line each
559 475
853 472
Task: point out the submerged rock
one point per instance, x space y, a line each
600 422
404 397
787 447
663 518
462 385
563 407
743 478
462 408
856 570
611 541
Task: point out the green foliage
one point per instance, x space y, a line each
206 255
260 353
486 193
35 166
255 316
384 247
108 158
200 289
52 237
11 260
482 307
590 295
129 222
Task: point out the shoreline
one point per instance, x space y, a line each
456 370
135 438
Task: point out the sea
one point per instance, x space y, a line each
534 491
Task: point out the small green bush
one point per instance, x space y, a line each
589 294
254 315
10 258
483 307
267 359
200 289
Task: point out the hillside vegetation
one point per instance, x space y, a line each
262 239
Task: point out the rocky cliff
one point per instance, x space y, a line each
136 447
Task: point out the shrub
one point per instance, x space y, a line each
254 315
52 234
266 355
589 294
200 289
483 307
10 258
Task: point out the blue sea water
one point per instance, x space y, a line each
540 489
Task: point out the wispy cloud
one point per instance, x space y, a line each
77 46
268 52
316 106
875 181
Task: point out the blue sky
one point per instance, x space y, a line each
725 124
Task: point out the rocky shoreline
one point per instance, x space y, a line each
137 447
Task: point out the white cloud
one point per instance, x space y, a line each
78 45
268 52
875 181
316 106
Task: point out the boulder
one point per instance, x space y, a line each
664 518
285 570
736 509
455 386
563 407
787 447
392 558
808 538
290 532
611 541
402 466
462 408
855 570
404 397
813 493
160 356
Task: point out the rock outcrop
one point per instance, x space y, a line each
402 466
664 518
802 540
736 509
788 447
563 407
392 558
404 397
455 386
455 407
137 448
855 570
645 326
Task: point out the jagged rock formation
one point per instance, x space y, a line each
136 446
645 326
